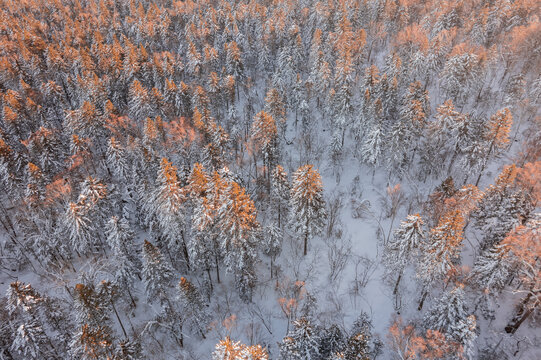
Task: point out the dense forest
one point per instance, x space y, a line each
272 179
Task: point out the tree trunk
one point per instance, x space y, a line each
118 318
217 270
521 315
423 298
485 163
397 283
185 251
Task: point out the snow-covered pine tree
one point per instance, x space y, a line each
125 259
501 208
361 343
30 341
265 135
228 349
460 75
272 244
497 133
280 192
491 270
524 247
193 309
91 305
92 342
24 304
373 144
302 342
332 341
441 251
404 246
166 204
307 204
139 101
450 316
208 194
116 157
157 273
254 352
78 227
439 141
239 238
275 107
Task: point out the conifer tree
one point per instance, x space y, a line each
92 307
120 238
27 309
332 341
302 342
29 340
404 246
497 136
116 157
193 308
239 238
275 107
460 74
91 343
78 226
209 193
264 134
524 247
501 208
450 316
272 243
157 273
166 203
491 270
227 349
307 204
441 251
280 191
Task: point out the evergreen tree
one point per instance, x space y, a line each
116 157
491 270
78 226
193 308
272 243
157 273
496 136
307 204
501 208
361 344
227 349
92 343
166 204
332 341
264 134
239 238
92 307
524 247
29 339
404 246
280 191
27 309
441 251
230 350
301 343
460 74
125 259
450 315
